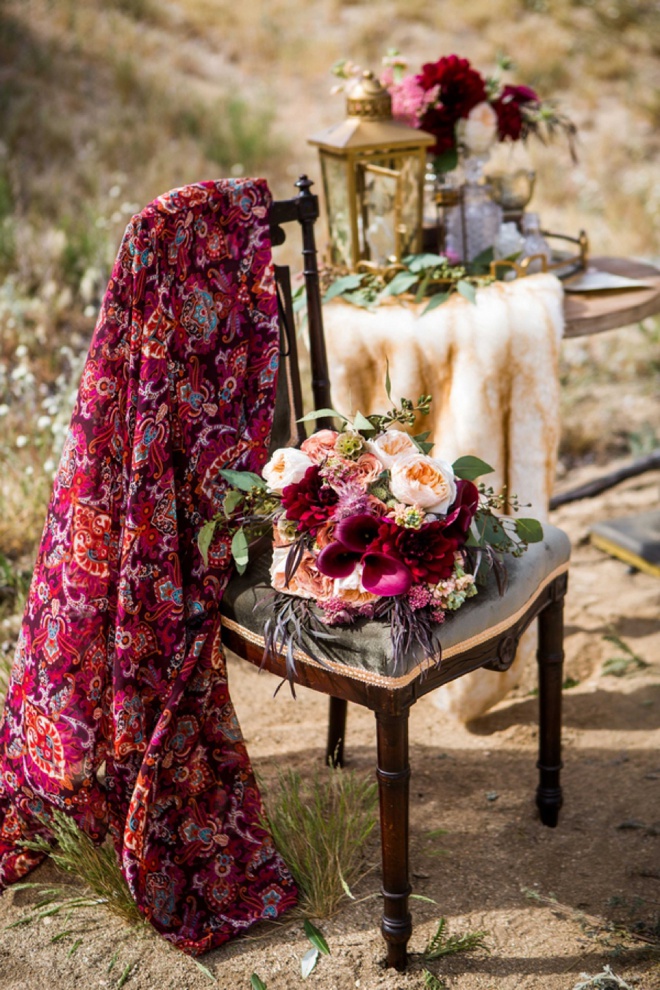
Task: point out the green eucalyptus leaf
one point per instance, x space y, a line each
257 983
308 962
467 290
388 383
422 287
401 282
316 937
529 530
435 301
447 161
468 468
481 263
239 550
244 480
321 414
231 500
361 422
205 538
420 262
364 300
342 285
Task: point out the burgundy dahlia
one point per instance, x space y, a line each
428 552
461 86
508 107
310 501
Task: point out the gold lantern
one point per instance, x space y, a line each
373 179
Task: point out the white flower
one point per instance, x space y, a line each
478 131
391 446
424 481
4 409
287 466
21 440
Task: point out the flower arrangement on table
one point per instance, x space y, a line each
367 525
463 109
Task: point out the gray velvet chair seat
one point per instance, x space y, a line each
363 650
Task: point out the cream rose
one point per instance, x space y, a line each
424 481
477 131
391 446
351 590
320 445
287 466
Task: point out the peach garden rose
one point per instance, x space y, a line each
320 445
391 446
424 481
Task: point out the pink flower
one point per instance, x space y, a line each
366 469
320 445
410 100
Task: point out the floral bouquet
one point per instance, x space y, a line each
367 525
464 109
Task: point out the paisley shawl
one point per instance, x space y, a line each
118 711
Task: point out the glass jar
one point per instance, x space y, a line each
481 215
534 243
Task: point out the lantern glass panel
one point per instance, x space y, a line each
378 216
409 167
337 197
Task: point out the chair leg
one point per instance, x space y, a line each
393 776
550 660
334 751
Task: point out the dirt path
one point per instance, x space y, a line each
554 902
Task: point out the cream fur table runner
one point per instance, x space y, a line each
492 369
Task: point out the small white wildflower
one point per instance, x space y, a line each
4 409
89 311
21 351
117 217
21 440
29 471
49 465
43 422
114 191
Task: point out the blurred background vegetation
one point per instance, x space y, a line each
105 104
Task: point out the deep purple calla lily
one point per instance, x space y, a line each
337 561
466 503
358 531
385 575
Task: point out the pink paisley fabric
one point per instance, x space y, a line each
118 711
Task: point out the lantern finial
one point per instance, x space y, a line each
369 99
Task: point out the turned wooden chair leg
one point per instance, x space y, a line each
393 775
334 751
550 660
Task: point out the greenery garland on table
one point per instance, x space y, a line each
422 276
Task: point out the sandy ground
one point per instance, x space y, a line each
555 903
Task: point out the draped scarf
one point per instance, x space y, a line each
118 711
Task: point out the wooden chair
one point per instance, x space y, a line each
484 633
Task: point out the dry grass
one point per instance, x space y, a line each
321 828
